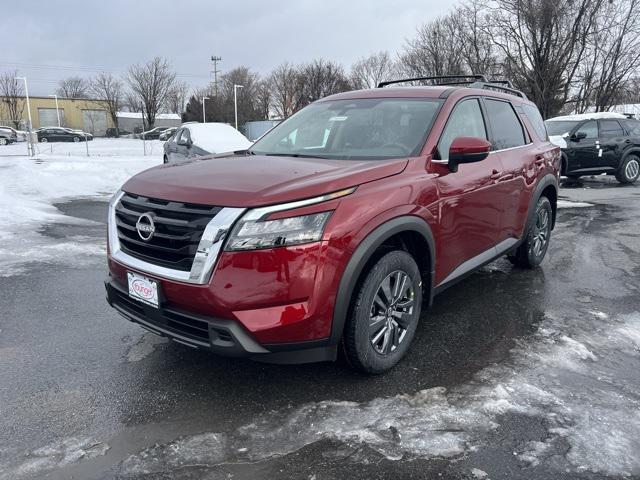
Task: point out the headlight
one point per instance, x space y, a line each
250 234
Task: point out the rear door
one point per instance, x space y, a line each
513 145
470 203
612 143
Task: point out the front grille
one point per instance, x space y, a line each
178 229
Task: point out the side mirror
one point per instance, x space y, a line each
579 136
467 150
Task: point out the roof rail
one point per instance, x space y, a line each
498 87
440 80
471 81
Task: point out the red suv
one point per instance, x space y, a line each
336 227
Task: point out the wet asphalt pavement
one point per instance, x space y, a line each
512 374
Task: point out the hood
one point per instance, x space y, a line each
558 140
256 180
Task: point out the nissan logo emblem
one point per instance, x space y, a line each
146 226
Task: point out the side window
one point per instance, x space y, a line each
532 113
610 128
632 126
465 121
590 128
184 136
505 126
176 135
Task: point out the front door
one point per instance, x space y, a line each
584 152
612 143
470 203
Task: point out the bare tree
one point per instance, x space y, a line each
542 43
283 83
319 79
368 72
478 50
73 87
177 97
109 89
150 83
263 100
12 93
612 57
435 51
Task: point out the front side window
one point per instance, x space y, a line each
590 129
632 126
357 129
506 128
610 128
465 121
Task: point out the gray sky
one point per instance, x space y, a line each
84 36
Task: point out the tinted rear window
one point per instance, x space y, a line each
535 118
505 126
632 126
610 128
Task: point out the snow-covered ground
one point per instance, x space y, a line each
30 186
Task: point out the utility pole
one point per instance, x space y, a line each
215 72
204 117
235 101
26 91
57 109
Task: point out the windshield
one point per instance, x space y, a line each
560 127
358 129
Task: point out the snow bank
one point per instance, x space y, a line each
28 189
585 116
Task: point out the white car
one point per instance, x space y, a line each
193 140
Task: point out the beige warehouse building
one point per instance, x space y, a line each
89 115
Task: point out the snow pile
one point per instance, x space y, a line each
554 376
585 116
28 189
570 204
217 137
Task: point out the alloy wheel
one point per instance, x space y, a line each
391 313
632 169
541 232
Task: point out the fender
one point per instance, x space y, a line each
363 253
628 152
544 182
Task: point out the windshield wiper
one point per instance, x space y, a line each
296 155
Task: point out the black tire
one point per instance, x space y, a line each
165 159
532 250
44 140
3 141
629 170
76 139
366 348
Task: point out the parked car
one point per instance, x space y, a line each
21 136
596 143
194 140
339 226
7 137
168 133
116 132
61 134
153 134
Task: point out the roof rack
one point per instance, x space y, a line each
440 80
471 81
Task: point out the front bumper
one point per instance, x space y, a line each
220 336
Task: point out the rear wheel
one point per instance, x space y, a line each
385 313
534 247
3 141
44 140
76 139
629 171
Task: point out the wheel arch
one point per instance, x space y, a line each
633 150
547 186
409 232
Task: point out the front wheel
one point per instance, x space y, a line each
76 139
629 171
44 140
384 315
534 247
3 141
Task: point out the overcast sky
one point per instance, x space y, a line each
82 37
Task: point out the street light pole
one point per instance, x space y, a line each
57 109
26 91
204 118
235 101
